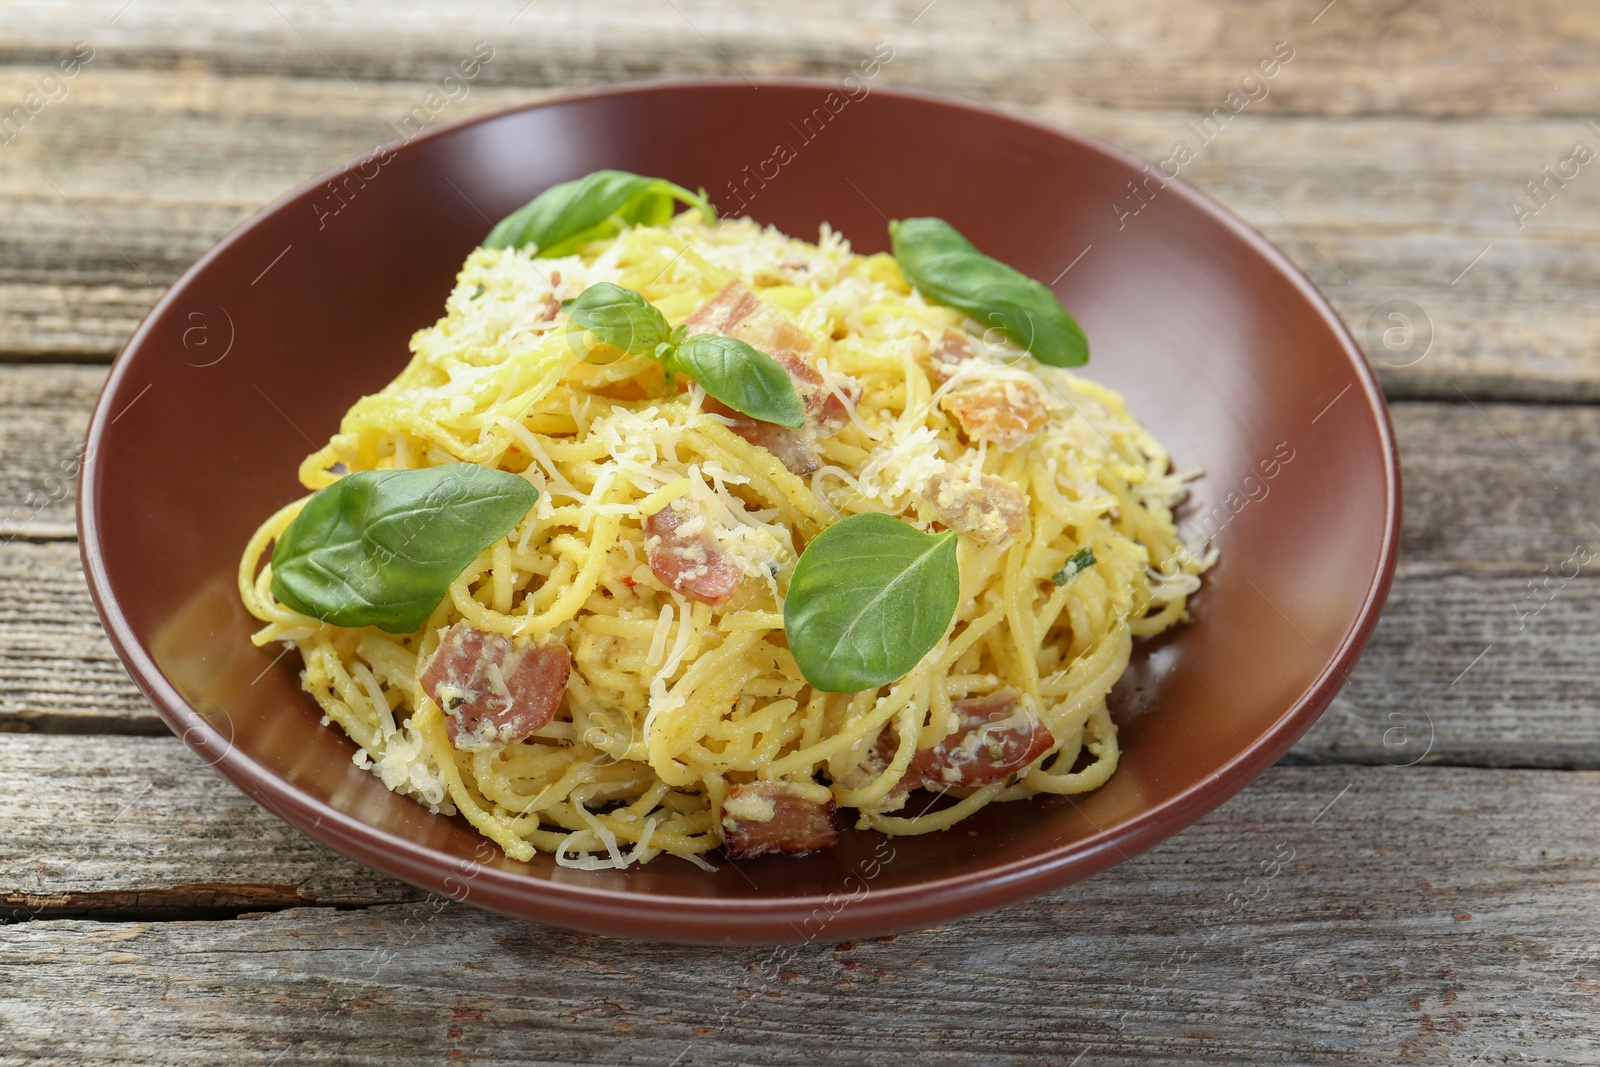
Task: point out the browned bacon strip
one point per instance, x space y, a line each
951 350
985 507
1004 411
692 564
478 712
995 737
795 448
788 817
737 312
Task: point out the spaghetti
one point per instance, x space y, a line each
676 703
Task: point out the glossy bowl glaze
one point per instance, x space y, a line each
1223 349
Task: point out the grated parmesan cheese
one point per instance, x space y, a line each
658 641
506 372
902 468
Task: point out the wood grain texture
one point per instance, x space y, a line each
58 672
1325 915
126 825
146 163
1431 57
43 416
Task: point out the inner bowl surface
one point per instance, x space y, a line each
1221 347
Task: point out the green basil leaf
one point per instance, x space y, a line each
620 317
746 379
947 269
868 599
1076 564
380 548
565 216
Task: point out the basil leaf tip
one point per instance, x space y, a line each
745 378
619 317
598 205
380 548
869 598
946 268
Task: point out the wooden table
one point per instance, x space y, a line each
1435 835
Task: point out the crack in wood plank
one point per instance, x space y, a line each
191 900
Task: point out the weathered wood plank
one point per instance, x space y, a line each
1471 668
58 673
1364 56
98 825
1498 483
44 413
1326 915
114 191
1487 545
1389 216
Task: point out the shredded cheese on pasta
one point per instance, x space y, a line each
672 703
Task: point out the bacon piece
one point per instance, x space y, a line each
826 413
690 563
871 767
482 711
1006 411
795 448
995 737
988 508
952 350
1003 411
788 817
737 312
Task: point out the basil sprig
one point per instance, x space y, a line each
597 205
380 548
621 318
746 379
946 268
868 599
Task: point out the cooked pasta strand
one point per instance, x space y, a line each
672 703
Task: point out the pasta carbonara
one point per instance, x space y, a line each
611 680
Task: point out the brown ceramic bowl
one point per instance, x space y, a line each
1222 348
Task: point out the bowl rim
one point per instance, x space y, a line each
669 917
